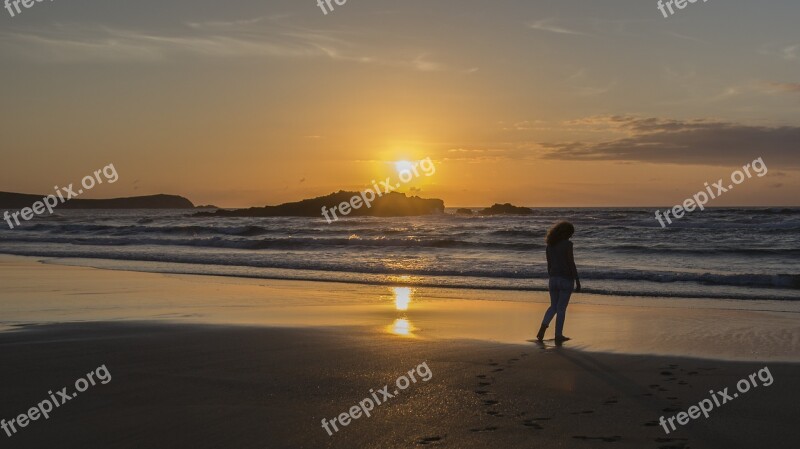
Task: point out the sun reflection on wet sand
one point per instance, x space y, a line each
401 326
402 297
402 300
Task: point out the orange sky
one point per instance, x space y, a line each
534 103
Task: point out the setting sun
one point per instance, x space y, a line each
402 166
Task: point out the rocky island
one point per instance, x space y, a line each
393 204
506 209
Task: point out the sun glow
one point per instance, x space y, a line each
402 166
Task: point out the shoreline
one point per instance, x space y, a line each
223 249
390 280
728 330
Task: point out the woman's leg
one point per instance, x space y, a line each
564 292
551 311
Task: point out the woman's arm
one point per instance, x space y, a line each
571 261
547 255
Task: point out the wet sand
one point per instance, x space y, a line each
197 386
37 293
202 362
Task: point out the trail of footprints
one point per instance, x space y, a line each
483 391
669 375
484 381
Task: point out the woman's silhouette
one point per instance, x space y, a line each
563 277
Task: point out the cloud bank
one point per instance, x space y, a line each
658 140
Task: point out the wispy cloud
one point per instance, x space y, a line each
79 43
478 154
590 91
581 83
216 24
790 52
549 26
422 64
687 37
263 37
785 51
785 87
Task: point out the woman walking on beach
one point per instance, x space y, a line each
563 277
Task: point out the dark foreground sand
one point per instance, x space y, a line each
199 386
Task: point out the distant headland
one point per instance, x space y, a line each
9 200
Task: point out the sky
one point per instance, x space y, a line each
557 103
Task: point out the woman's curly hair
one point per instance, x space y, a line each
560 231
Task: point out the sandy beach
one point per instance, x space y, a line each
224 362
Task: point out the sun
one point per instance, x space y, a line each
402 166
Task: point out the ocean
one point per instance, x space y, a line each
734 253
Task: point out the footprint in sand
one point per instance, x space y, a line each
483 384
582 412
493 364
490 402
484 429
497 370
495 413
428 440
481 392
613 439
676 443
481 376
532 423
